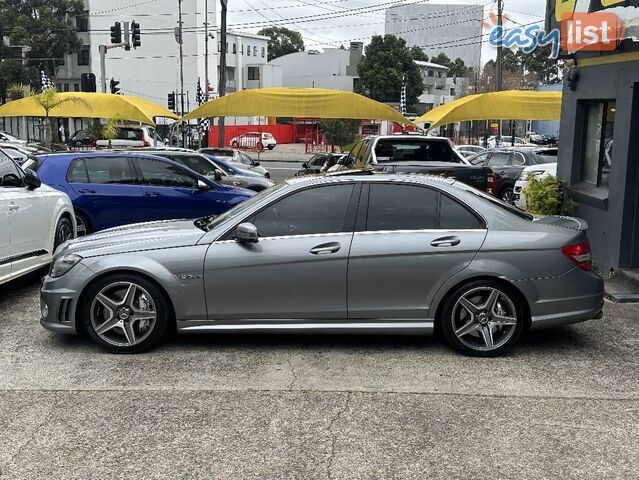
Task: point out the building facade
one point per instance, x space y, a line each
153 70
454 29
334 68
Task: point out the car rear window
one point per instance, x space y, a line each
414 150
130 134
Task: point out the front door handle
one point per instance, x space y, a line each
326 248
86 190
151 194
451 241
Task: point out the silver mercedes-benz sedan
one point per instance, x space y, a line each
353 253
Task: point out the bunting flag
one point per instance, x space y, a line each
402 97
200 98
46 81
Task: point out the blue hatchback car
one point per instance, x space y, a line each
109 189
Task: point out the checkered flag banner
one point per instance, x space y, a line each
46 81
200 98
402 97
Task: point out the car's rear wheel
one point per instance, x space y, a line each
507 195
63 232
125 313
271 147
482 318
83 227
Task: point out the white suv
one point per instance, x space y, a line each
131 136
34 220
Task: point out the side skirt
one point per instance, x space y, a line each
387 327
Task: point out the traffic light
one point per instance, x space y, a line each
135 34
114 86
116 33
171 101
87 82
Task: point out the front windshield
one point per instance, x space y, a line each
209 223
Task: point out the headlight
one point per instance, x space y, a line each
63 264
530 173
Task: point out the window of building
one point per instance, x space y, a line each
439 74
66 87
253 73
248 50
234 47
76 87
84 55
82 22
452 92
254 51
430 73
596 158
263 52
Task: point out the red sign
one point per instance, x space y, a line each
591 31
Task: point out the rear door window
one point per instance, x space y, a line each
499 159
401 207
101 170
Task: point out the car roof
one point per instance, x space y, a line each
368 176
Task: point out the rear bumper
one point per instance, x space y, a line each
574 297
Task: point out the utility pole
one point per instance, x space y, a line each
181 41
222 75
498 65
206 49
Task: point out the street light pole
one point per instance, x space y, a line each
222 75
181 41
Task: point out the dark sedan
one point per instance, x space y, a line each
507 163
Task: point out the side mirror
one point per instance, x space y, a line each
305 165
217 175
256 163
246 233
31 179
202 185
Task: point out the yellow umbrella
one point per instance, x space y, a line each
298 102
98 105
506 105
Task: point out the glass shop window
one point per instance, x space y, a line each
596 161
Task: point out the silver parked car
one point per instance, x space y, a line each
342 253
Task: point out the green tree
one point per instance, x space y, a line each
45 27
339 131
282 41
48 100
386 61
457 68
442 59
418 54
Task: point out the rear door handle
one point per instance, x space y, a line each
326 248
86 190
451 241
13 208
151 194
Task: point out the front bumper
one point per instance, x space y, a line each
519 196
59 299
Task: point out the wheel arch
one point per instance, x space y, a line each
444 296
123 270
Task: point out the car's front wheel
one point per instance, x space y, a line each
507 195
125 313
482 319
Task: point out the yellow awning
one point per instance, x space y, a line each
99 105
505 105
298 102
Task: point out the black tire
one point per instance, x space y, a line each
235 145
478 346
271 147
158 329
63 232
83 226
507 195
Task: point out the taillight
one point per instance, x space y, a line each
580 254
491 183
147 143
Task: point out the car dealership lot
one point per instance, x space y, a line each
563 404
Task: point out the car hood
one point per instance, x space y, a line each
136 237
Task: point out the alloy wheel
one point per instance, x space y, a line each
484 319
508 196
123 314
81 227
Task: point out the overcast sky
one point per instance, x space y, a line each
330 23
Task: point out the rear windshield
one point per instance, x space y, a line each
414 150
130 134
546 158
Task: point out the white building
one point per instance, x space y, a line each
152 70
334 68
454 29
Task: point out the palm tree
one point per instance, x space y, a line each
48 100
